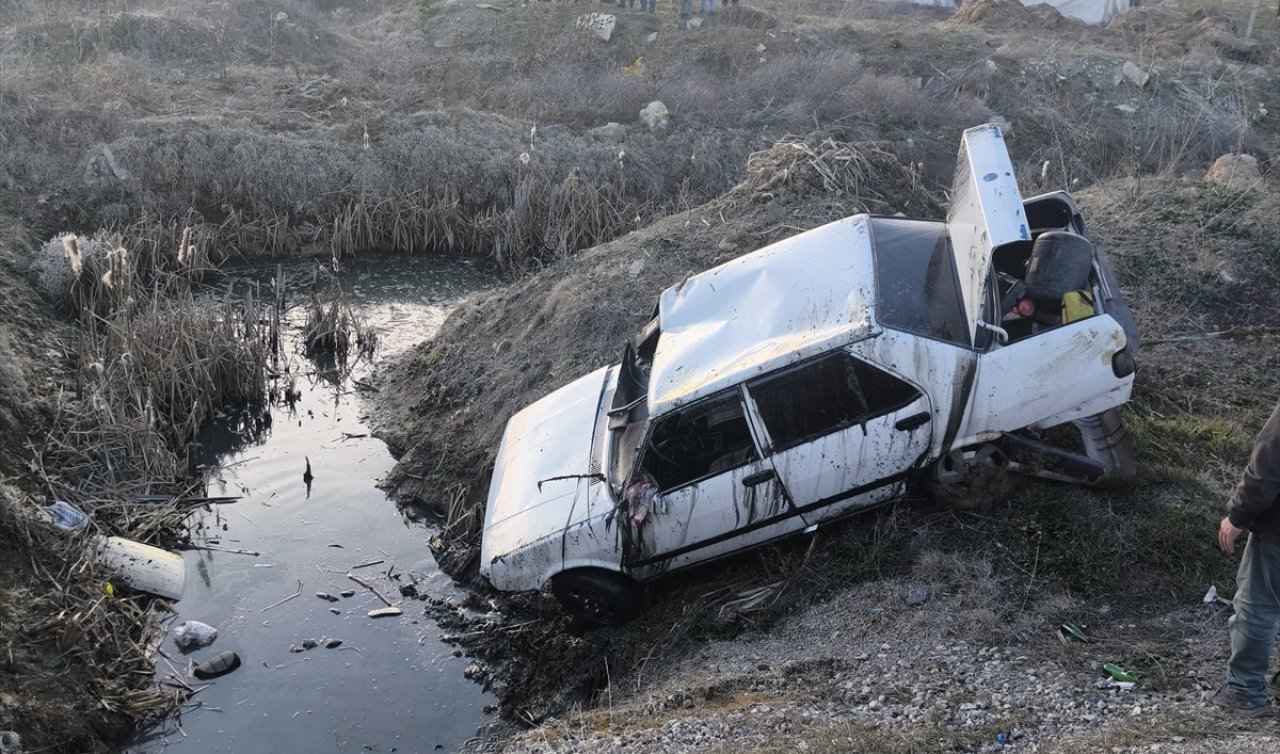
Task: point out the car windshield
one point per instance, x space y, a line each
629 410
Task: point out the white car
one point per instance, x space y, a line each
817 377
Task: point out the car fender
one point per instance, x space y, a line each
587 562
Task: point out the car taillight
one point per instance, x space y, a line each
1123 363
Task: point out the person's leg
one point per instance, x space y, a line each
1255 623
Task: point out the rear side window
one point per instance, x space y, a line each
705 439
826 396
917 290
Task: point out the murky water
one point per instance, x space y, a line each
391 685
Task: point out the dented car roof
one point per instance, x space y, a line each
799 297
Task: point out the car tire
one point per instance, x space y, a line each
1108 442
971 479
598 597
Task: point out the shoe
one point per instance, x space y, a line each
1227 698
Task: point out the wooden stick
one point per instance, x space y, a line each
286 599
366 585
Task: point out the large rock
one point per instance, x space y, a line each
1235 172
610 132
655 115
601 24
1134 74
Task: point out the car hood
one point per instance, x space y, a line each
546 477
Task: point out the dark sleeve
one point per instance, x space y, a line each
1259 489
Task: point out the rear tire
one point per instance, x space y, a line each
971 479
598 597
1108 442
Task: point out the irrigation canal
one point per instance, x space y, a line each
391 685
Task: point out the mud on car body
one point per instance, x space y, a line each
815 378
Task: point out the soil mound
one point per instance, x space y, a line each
1173 34
1010 15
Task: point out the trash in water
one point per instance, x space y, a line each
383 612
1119 674
143 567
66 516
1070 631
193 633
220 664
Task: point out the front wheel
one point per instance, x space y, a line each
597 596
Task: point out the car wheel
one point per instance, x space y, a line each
973 478
597 596
1108 442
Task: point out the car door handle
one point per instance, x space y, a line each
911 422
759 478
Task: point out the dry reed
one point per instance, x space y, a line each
157 357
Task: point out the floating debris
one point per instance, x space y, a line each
220 664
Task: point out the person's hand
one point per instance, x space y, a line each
1227 535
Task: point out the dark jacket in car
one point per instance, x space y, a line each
1256 503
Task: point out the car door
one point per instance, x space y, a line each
715 492
841 433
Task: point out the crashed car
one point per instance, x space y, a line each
818 377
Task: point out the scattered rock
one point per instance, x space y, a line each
601 24
348 593
295 648
693 23
1134 74
610 132
101 167
10 742
326 596
636 268
308 643
917 596
220 664
335 611
655 115
1235 172
332 643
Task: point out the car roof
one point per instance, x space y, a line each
802 296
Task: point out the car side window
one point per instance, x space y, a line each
701 440
825 396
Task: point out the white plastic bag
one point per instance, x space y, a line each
193 633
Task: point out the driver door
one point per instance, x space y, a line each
716 494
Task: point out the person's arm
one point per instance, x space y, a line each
1259 488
